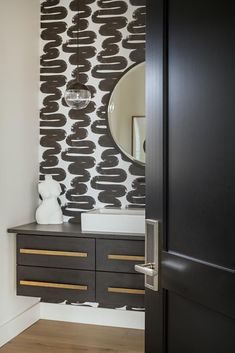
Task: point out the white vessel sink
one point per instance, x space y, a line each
114 220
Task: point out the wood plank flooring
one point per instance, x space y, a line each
62 337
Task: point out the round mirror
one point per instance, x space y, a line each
126 113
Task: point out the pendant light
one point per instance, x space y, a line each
77 95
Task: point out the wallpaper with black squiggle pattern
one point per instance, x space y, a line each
76 147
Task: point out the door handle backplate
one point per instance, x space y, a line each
151 268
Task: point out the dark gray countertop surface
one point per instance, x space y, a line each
69 230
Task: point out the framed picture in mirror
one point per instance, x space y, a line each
138 137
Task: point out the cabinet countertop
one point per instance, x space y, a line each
69 230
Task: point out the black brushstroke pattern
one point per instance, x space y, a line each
52 79
79 44
87 304
136 197
110 68
137 29
79 153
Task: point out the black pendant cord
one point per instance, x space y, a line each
77 95
77 74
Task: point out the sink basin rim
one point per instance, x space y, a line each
108 220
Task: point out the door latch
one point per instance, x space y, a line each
151 268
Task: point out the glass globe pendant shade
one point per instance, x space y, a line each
77 96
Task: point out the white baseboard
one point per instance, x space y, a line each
93 316
70 313
18 324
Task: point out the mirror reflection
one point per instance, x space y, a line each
126 113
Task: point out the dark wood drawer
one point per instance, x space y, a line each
50 251
120 289
118 255
56 283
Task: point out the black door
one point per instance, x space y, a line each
190 174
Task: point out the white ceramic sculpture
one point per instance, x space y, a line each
49 211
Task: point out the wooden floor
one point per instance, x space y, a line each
62 337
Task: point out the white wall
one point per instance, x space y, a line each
19 76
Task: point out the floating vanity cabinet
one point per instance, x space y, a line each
119 289
56 283
116 279
52 267
60 252
118 255
59 262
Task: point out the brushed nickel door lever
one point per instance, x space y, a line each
146 269
151 268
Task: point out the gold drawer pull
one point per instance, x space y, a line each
126 257
53 285
53 253
126 290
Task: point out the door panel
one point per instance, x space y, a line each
209 285
190 174
199 330
201 127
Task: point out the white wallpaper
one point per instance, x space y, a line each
76 146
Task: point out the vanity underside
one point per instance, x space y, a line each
60 264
